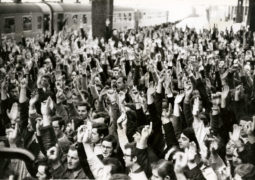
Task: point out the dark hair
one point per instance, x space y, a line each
61 122
102 129
73 147
104 115
131 146
112 139
84 104
115 164
165 168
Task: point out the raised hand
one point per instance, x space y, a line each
235 135
4 85
122 96
178 98
47 107
14 113
195 107
162 76
225 92
238 90
87 134
24 83
34 99
80 133
146 132
12 135
151 90
122 121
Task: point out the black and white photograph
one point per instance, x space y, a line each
127 89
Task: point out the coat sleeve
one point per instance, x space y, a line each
83 160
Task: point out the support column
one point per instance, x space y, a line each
239 13
251 15
101 11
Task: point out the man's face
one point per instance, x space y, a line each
183 141
95 138
44 82
56 127
120 84
15 92
127 158
107 149
82 111
73 162
41 175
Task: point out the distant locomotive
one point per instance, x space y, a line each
30 19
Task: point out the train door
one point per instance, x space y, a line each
46 22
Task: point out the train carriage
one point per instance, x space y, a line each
30 19
23 19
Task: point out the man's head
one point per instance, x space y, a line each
58 125
183 141
99 131
130 157
14 91
83 110
121 83
43 170
73 162
113 164
163 170
109 143
45 81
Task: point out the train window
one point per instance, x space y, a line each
75 18
84 19
9 25
120 16
129 16
125 17
27 23
39 22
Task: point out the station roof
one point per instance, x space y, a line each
14 8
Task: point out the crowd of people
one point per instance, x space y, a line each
154 103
